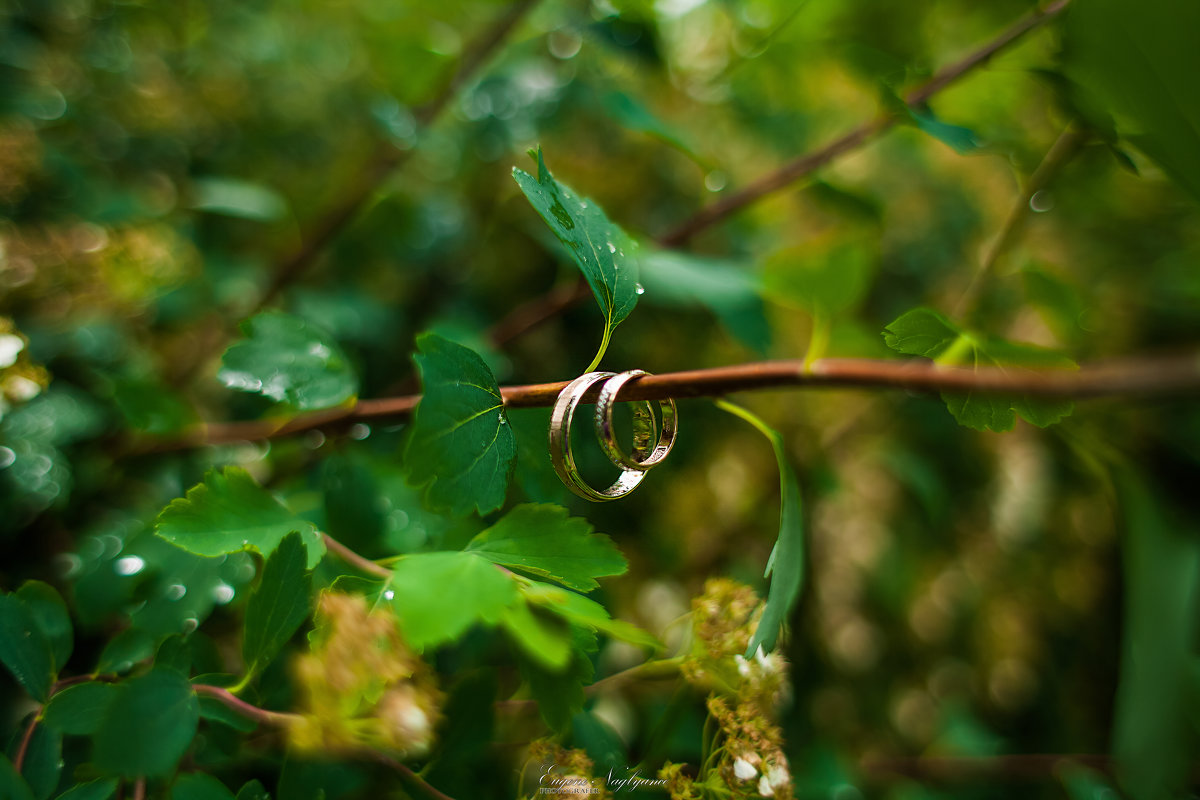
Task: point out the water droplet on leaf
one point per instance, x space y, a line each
641 289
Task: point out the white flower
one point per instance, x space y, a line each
743 770
778 775
764 787
743 666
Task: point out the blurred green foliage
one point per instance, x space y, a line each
966 593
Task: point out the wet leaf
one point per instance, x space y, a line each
24 648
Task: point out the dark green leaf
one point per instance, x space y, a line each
544 540
124 650
228 513
278 605
79 710
461 447
51 616
24 648
728 289
174 653
1153 740
606 255
1141 64
12 785
354 507
288 360
559 692
579 610
43 762
199 786
437 596
149 406
253 790
99 789
149 725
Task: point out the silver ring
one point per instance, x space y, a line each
560 444
604 427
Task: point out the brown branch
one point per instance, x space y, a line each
259 715
354 559
1159 376
139 789
19 758
1022 767
536 311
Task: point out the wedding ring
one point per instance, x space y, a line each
560 443
604 427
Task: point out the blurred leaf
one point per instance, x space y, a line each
237 198
559 692
1153 739
602 744
729 290
1060 302
99 789
43 762
631 114
148 727
285 358
12 785
149 406
79 710
174 652
830 278
544 540
606 255
199 786
1140 64
229 513
786 564
124 650
430 613
253 790
545 639
533 472
962 140
353 505
465 757
1085 784
24 647
461 448
278 606
924 332
579 610
51 617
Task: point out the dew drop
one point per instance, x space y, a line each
129 565
1041 202
359 431
389 594
190 624
7 457
503 421
612 248
176 591
641 289
222 593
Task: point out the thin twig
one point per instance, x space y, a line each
648 670
531 314
354 559
260 715
19 758
427 788
1150 376
1060 153
139 789
1019 767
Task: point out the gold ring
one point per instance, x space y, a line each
560 444
603 420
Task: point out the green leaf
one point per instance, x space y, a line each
786 564
438 596
43 762
729 290
228 513
79 710
253 790
124 650
354 508
149 406
462 448
1141 62
200 786
1153 740
99 789
543 638
544 540
52 618
278 605
12 785
288 360
579 610
559 692
924 332
24 648
962 140
827 278
606 255
148 727
232 197
630 113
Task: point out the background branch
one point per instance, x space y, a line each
1164 375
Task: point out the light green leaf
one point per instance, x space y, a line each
462 448
606 255
786 565
79 710
1141 62
827 278
228 513
579 610
200 786
278 605
12 785
728 289
438 596
52 618
544 540
924 332
288 360
543 638
148 726
24 648
99 789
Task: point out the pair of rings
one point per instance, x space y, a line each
633 465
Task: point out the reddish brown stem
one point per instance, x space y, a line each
416 779
1165 375
259 715
354 559
19 758
139 789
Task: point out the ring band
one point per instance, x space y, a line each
561 456
604 427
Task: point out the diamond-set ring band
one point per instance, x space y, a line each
603 420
